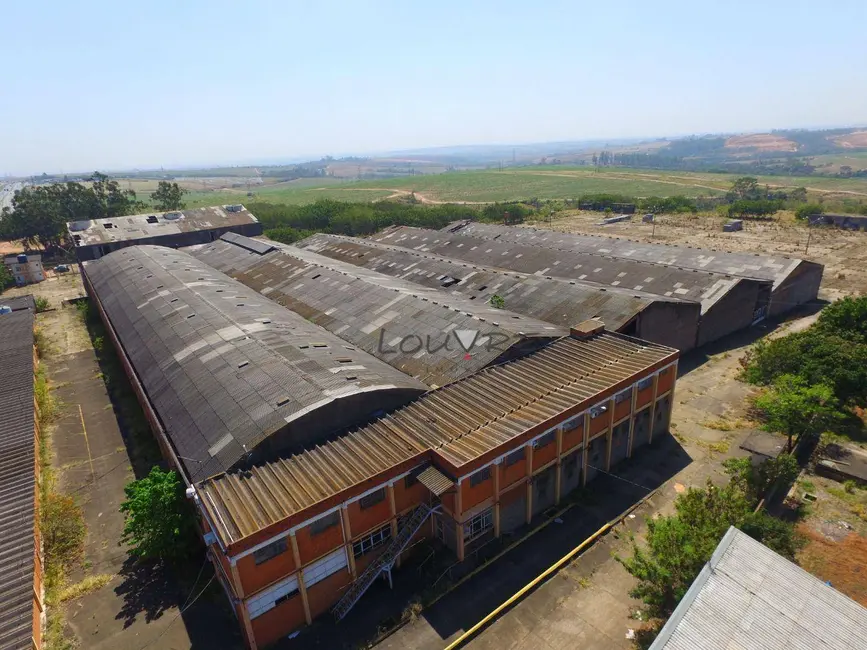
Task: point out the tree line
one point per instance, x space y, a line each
40 213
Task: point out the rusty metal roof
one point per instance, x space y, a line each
667 280
456 424
157 224
435 481
17 478
776 268
555 300
224 367
428 333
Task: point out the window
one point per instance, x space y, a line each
574 423
272 550
324 523
376 539
596 411
544 441
478 525
152 219
515 457
372 499
622 396
645 383
480 477
664 371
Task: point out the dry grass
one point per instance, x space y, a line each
841 563
84 587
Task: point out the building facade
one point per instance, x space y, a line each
25 268
463 464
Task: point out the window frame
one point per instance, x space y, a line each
518 455
478 525
371 541
479 477
322 524
545 439
370 500
266 553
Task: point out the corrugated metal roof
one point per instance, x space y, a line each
224 367
660 279
460 422
765 267
554 300
435 481
424 332
17 479
157 224
17 303
749 597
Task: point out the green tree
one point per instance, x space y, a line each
168 196
497 301
808 210
6 278
846 318
798 194
158 520
745 188
754 208
795 408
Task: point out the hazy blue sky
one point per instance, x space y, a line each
108 85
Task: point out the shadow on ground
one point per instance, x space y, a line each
608 496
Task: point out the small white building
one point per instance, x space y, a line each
26 269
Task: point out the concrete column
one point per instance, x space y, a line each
459 526
558 435
496 476
585 450
610 434
634 400
248 627
389 490
302 589
653 407
236 580
347 540
529 512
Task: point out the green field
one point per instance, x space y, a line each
550 182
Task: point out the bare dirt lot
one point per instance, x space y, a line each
762 141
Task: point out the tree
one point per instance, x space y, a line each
745 188
753 208
158 520
497 301
793 407
798 194
6 278
168 196
846 318
808 210
678 546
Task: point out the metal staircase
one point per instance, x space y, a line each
384 562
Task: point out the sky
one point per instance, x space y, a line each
122 85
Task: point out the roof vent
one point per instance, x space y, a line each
152 219
234 208
79 225
282 401
586 329
173 216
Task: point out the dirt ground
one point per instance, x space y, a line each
843 253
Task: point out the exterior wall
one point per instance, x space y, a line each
25 273
801 286
673 324
734 311
508 494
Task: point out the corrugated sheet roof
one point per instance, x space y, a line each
659 279
224 367
460 422
557 301
765 267
17 479
156 224
749 597
17 303
385 316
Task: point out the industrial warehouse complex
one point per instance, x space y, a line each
332 403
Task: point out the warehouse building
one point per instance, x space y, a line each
794 281
728 302
428 333
225 376
21 592
98 237
665 320
464 463
747 596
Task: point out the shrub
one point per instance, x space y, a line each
808 210
158 519
42 304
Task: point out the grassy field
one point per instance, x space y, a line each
551 182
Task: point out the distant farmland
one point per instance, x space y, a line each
551 182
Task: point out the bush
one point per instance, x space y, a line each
61 524
754 209
158 519
42 304
808 210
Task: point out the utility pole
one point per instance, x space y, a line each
809 235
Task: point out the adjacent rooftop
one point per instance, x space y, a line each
454 425
225 368
428 333
747 596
